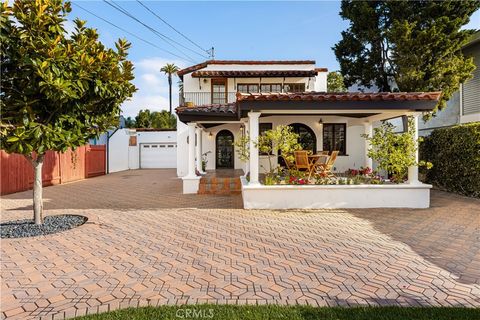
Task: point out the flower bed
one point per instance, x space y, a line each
350 177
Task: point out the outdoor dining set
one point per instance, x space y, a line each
319 164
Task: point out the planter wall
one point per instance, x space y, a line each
335 196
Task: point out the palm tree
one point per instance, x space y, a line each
169 69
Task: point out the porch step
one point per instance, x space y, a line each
216 185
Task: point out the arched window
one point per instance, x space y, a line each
307 138
224 150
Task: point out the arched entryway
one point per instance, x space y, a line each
224 150
307 138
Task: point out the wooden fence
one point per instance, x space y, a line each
85 162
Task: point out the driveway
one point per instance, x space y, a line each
146 243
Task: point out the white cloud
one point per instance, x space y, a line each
152 87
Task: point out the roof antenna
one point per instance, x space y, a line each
211 53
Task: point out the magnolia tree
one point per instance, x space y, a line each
57 90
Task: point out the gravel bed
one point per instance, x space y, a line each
51 224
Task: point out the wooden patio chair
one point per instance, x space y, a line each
318 165
326 168
301 160
324 152
288 164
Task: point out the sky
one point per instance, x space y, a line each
238 30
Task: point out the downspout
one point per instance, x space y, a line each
108 143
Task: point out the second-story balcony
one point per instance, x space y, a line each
203 98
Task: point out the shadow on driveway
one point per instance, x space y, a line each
447 234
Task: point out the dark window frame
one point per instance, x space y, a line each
302 85
334 132
248 87
270 85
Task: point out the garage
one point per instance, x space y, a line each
158 155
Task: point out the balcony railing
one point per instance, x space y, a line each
202 98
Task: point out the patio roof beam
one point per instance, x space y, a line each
326 112
264 105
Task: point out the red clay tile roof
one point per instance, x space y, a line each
349 96
255 73
228 108
202 65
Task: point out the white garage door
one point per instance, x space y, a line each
158 155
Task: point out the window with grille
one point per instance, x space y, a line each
335 137
271 87
219 91
294 87
247 88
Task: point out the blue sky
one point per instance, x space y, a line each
244 30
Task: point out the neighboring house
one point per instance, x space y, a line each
464 106
141 149
224 100
103 138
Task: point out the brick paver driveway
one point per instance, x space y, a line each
145 243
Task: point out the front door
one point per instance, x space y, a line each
224 150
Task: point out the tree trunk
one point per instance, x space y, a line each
37 164
170 91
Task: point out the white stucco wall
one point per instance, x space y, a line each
122 157
320 84
182 149
355 157
118 153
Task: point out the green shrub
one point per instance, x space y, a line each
455 154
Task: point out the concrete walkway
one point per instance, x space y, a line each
145 243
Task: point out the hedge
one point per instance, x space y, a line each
455 155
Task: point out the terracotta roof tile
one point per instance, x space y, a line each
255 73
228 108
349 96
241 62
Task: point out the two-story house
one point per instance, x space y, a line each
222 101
216 82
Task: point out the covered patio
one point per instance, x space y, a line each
357 112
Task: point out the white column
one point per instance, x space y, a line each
191 180
253 129
369 131
246 165
198 150
191 150
413 170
